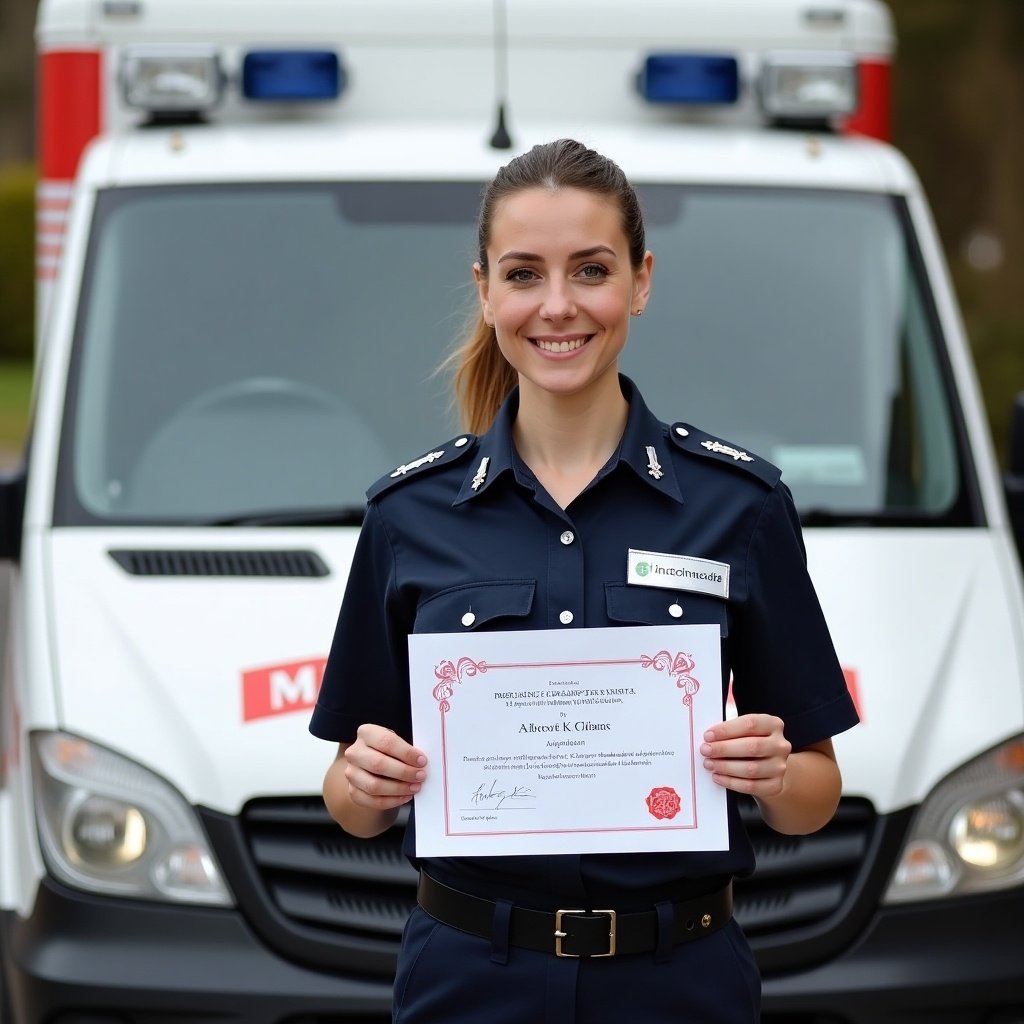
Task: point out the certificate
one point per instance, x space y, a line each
567 741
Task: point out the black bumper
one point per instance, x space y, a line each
81 957
946 962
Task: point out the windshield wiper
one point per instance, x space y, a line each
343 515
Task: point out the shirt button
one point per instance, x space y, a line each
461 442
682 432
675 611
468 619
568 537
565 618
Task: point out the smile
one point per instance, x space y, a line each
565 345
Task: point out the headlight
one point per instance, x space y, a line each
968 835
108 825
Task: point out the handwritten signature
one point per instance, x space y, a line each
492 796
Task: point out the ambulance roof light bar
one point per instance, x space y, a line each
797 88
184 81
292 75
792 88
697 78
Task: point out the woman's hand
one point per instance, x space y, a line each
748 754
382 770
797 790
371 778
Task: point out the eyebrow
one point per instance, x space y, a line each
531 257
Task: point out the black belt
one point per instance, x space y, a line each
573 932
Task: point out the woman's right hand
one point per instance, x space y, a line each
371 778
382 770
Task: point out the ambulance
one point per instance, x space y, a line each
255 231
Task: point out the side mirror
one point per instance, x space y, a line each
12 513
1013 478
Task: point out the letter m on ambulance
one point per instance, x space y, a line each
281 689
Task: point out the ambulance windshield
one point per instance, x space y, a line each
260 350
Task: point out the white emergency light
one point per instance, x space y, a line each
171 80
808 87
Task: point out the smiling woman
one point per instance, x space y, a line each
533 526
557 286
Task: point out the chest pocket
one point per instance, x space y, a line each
649 606
475 606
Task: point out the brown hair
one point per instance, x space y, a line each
483 377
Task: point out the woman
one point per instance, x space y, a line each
570 472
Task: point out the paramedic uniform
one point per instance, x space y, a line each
466 538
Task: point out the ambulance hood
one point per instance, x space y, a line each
209 681
923 621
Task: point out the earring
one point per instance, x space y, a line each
639 312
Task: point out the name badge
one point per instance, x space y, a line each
677 572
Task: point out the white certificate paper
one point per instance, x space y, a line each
567 741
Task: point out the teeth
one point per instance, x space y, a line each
560 346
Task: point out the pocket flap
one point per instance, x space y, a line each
474 605
651 606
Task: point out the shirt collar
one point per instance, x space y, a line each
643 448
495 452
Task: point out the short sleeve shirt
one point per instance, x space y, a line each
469 528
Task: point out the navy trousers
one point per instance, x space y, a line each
446 976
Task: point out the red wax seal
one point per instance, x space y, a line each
663 802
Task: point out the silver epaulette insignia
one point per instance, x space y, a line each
653 466
481 473
724 449
408 467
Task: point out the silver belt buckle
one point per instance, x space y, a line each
559 934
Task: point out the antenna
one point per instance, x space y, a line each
501 138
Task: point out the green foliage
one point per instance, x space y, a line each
15 396
958 111
17 283
998 344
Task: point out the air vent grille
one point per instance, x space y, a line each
252 563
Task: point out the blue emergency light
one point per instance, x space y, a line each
292 75
689 78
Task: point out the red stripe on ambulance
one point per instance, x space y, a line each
70 94
69 109
850 674
281 689
873 116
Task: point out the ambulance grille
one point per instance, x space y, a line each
299 877
174 562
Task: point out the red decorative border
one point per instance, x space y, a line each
679 667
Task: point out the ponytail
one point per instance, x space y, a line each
482 379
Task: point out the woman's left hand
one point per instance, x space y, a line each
748 754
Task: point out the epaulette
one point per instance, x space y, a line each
696 442
442 455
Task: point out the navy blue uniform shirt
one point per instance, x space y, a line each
469 528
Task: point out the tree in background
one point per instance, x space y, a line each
17 91
959 117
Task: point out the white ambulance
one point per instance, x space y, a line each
255 234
